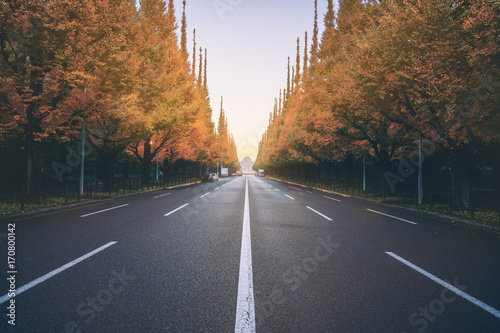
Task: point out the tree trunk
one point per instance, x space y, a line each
126 170
33 172
383 164
106 168
146 162
460 181
495 161
145 170
29 170
108 171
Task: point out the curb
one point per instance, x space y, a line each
423 212
83 204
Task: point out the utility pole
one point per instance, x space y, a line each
364 174
82 156
420 163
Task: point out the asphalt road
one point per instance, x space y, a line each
247 254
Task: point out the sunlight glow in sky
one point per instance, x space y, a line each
248 43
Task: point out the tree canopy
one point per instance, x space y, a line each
385 73
121 68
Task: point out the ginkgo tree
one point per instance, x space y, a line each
115 113
438 78
117 67
375 84
177 121
166 93
43 61
225 146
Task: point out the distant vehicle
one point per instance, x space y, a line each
261 172
205 178
239 173
214 177
224 172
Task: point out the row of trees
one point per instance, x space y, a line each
384 74
116 66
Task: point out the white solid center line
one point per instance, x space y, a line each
175 210
204 195
55 272
245 307
163 195
104 210
289 196
326 217
448 286
332 198
394 217
297 189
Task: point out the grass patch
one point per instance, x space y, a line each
8 209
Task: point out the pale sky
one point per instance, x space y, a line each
248 43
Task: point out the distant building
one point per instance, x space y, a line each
247 164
